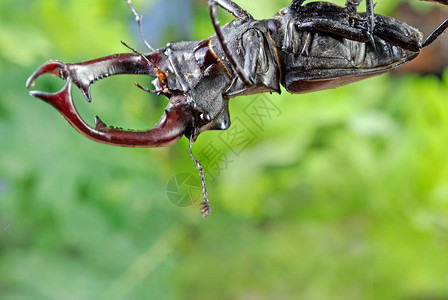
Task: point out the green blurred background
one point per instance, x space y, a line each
340 194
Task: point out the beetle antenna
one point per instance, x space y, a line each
149 63
138 19
144 89
139 53
205 205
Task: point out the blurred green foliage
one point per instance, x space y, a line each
342 194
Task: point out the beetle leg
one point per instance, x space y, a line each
295 4
234 9
327 26
385 28
370 21
435 33
175 121
138 19
235 65
352 5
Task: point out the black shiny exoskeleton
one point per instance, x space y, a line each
304 47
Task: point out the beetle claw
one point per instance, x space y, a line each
99 124
55 68
63 71
173 124
61 100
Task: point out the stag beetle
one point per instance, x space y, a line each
305 47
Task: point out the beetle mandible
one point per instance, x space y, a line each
304 47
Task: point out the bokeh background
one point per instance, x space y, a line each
340 194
